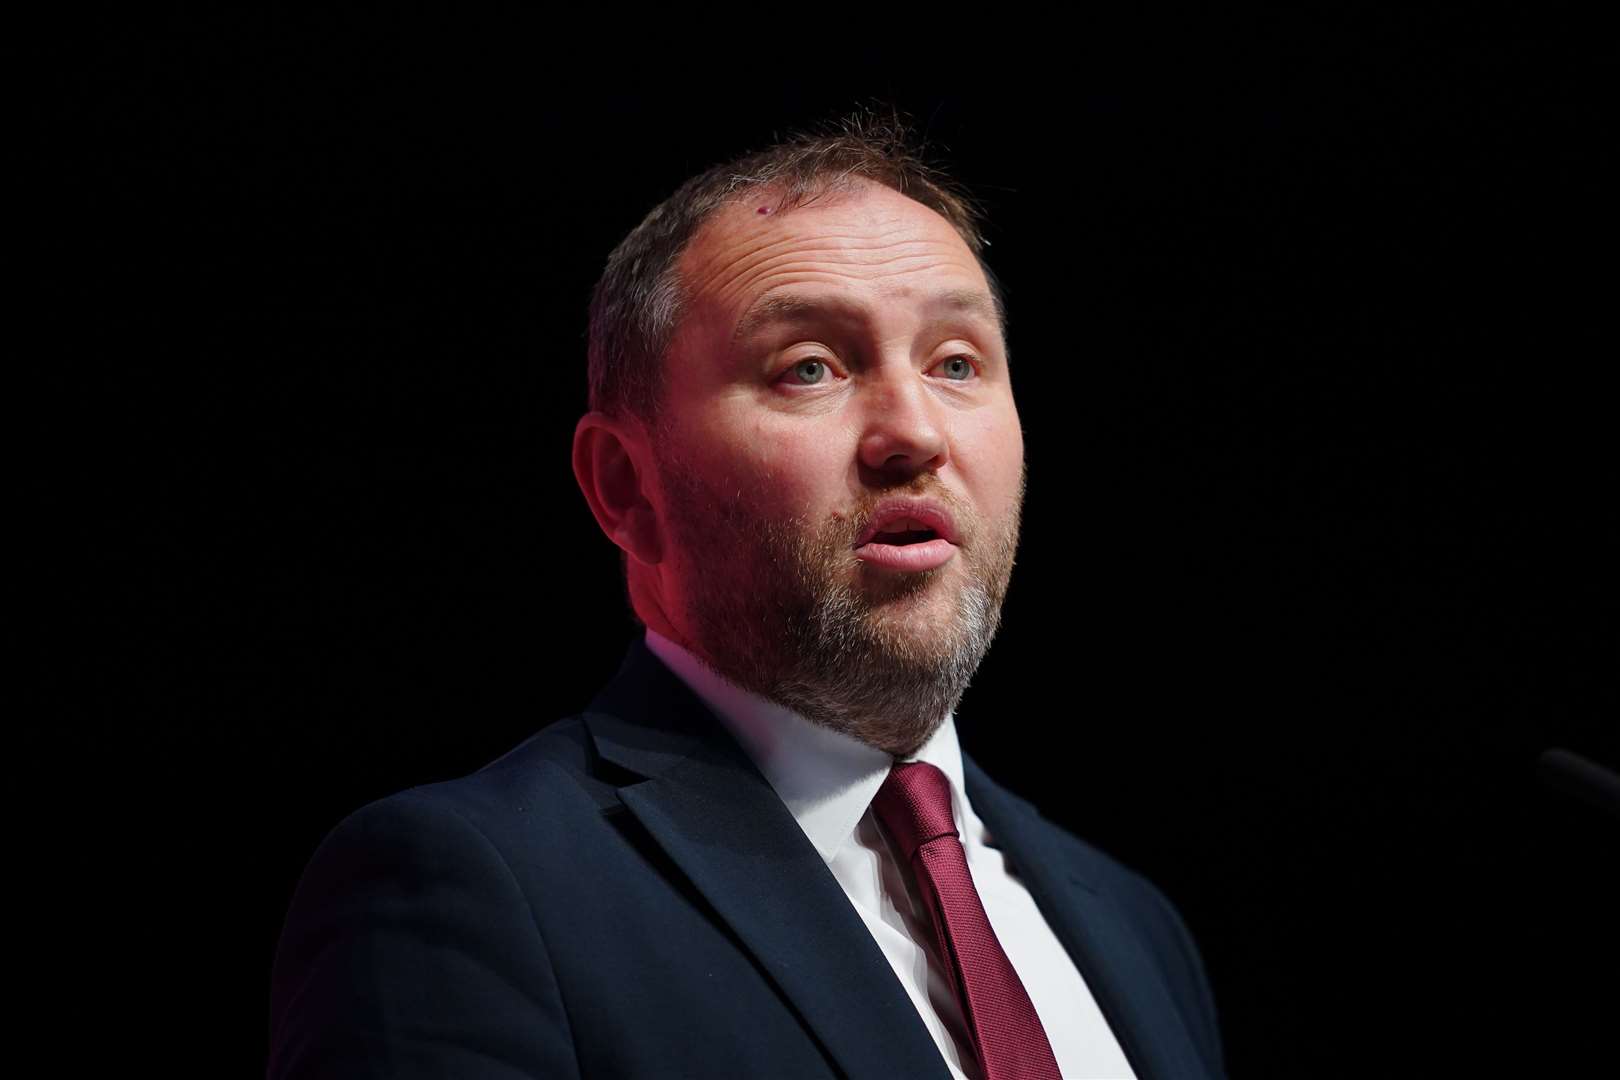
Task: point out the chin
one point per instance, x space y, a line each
899 584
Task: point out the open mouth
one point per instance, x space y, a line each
908 550
907 537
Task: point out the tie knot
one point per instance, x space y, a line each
914 805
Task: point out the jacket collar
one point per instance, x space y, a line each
718 819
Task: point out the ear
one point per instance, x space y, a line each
613 464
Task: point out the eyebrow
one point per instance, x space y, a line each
775 308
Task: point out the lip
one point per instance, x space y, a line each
930 514
909 557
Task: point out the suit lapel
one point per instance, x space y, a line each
1121 975
719 820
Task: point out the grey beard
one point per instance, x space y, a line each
763 617
883 696
827 659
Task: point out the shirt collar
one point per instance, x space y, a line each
826 779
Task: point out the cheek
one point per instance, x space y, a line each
798 470
991 455
993 439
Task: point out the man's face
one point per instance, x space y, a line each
834 357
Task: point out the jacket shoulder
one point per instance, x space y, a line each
554 769
414 916
409 922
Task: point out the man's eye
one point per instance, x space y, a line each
815 368
959 365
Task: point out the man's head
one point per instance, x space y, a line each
834 348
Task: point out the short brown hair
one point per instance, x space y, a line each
639 299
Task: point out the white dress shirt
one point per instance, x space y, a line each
828 781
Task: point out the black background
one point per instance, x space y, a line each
1317 554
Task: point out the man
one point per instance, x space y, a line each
761 850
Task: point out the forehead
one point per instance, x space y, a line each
871 240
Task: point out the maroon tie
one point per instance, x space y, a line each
914 806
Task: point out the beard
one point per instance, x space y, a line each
781 607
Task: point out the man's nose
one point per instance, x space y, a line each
903 426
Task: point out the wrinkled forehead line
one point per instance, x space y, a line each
757 209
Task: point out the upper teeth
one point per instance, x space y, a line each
904 525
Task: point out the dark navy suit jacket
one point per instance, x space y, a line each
625 895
